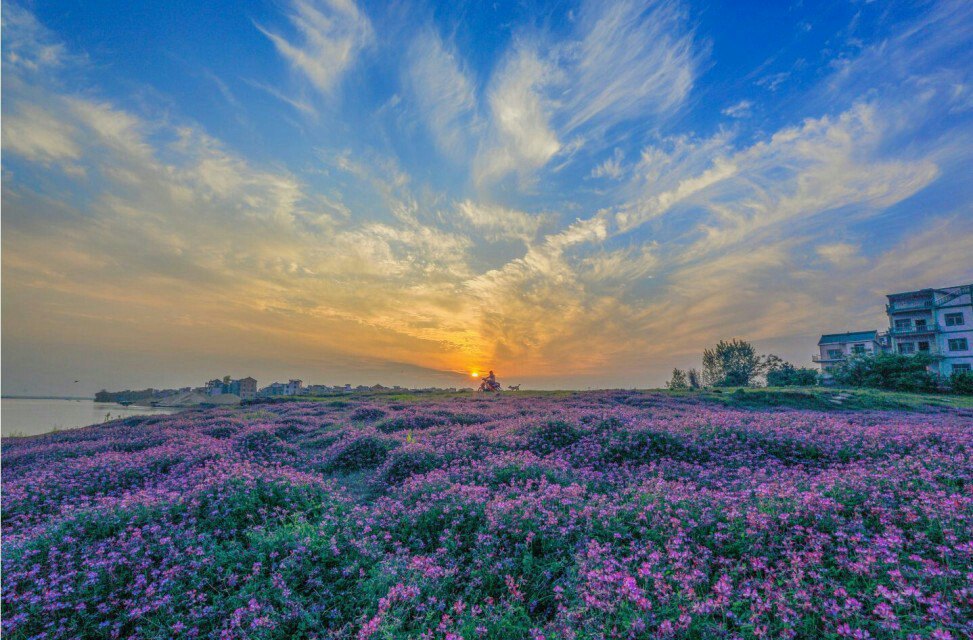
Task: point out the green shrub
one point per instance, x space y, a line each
406 462
961 382
367 414
645 446
409 422
790 376
552 436
355 454
890 371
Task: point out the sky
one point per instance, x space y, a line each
574 194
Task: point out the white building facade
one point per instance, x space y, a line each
938 322
834 348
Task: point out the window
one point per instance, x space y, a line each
834 353
858 348
958 344
961 368
954 319
905 323
924 346
907 347
921 324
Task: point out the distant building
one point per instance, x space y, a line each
293 387
289 388
317 389
835 347
938 322
246 388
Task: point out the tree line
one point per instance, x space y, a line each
736 363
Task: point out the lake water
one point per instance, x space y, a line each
30 416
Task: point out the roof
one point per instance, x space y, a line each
928 291
851 336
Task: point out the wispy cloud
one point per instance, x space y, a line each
444 93
30 46
332 32
632 59
498 222
522 138
739 110
841 254
301 105
38 135
611 167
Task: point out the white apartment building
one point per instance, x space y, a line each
835 347
934 321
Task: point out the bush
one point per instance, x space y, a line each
367 414
890 371
406 462
790 376
355 454
407 422
552 436
646 446
962 382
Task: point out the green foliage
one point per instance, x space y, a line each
552 436
367 414
731 363
891 371
692 377
646 446
787 375
962 382
679 380
410 422
406 462
363 452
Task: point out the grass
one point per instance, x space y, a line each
814 398
822 399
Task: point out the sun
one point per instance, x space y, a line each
475 374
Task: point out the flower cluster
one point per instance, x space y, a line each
580 516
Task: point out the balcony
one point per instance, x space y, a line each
915 330
911 305
825 359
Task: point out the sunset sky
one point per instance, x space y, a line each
574 194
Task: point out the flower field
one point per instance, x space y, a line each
588 515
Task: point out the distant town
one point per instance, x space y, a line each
229 391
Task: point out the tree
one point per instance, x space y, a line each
775 363
679 380
733 363
693 379
890 371
787 375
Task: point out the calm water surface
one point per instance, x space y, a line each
29 417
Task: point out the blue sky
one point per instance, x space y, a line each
571 193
